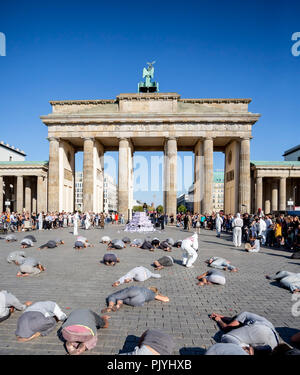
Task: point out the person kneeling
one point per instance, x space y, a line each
110 259
80 330
39 319
166 261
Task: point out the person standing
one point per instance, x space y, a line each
190 248
219 222
75 224
162 221
237 225
87 221
40 220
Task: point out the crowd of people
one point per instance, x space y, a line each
15 222
244 334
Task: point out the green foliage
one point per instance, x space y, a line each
181 208
137 209
160 208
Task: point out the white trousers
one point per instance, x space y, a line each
189 256
75 229
237 236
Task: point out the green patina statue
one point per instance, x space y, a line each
148 86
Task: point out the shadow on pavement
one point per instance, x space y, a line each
130 343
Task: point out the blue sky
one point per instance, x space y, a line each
97 49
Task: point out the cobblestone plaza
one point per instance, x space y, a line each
76 279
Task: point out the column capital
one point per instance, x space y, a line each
88 138
245 138
209 138
51 139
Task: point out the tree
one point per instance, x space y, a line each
160 209
137 209
181 208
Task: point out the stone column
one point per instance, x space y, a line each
282 194
244 183
208 151
267 197
28 194
198 176
258 193
34 193
20 194
1 194
274 203
170 176
88 174
123 178
131 179
41 194
53 175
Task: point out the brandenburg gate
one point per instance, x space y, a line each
149 121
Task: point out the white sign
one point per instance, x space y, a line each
290 203
7 203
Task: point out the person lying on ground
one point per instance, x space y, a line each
39 319
11 238
31 237
49 245
164 246
8 304
82 239
147 245
25 243
16 257
153 342
221 264
110 259
82 245
248 328
136 274
230 349
177 244
211 277
80 330
170 241
59 241
105 239
137 242
116 244
165 261
133 296
155 242
30 267
126 239
288 280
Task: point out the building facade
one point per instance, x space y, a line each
11 153
293 154
218 191
78 191
110 194
150 122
